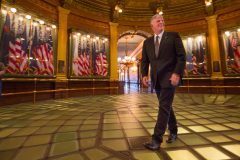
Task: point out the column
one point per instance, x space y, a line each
113 51
62 43
214 46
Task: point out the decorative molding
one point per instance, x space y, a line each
199 26
40 9
229 20
88 25
229 15
84 12
53 2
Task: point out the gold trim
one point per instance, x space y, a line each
28 79
210 78
56 90
209 86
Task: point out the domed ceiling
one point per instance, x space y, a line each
141 10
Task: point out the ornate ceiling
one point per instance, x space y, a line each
141 10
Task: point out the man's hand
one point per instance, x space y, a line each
175 79
145 81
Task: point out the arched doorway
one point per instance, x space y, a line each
129 55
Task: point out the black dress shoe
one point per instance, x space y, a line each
154 145
171 138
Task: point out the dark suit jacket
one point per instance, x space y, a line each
171 59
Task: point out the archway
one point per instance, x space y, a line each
129 55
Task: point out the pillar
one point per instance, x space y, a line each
214 46
113 51
62 43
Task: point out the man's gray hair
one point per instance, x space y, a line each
155 17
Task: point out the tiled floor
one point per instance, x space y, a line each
115 127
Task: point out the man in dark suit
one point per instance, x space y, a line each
165 54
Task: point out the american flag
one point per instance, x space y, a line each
77 47
81 63
44 57
6 36
101 63
189 55
17 57
23 67
42 53
195 67
201 59
17 60
236 51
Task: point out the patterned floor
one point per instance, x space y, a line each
115 127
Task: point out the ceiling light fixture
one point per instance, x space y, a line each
208 2
160 10
118 8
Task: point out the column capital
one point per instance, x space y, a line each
113 24
63 10
212 18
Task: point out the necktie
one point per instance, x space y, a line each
157 46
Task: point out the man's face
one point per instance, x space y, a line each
157 25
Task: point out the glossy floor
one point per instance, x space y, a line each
115 127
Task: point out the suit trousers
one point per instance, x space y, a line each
166 114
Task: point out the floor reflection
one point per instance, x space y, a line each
115 127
